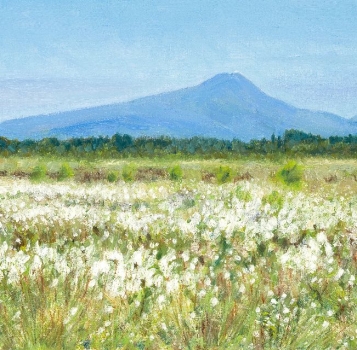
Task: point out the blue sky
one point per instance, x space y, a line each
59 55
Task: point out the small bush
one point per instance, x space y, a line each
151 174
112 176
65 172
207 176
331 179
129 172
275 199
224 174
242 195
176 173
291 174
20 174
242 177
86 176
38 173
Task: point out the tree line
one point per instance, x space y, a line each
292 142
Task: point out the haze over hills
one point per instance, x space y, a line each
226 106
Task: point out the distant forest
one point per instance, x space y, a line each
293 142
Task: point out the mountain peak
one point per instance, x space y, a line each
227 77
230 81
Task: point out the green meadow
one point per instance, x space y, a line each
160 253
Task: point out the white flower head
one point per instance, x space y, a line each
73 311
214 301
325 324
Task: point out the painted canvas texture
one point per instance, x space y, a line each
178 175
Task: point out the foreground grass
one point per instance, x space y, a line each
180 264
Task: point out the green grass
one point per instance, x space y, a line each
176 265
183 264
316 171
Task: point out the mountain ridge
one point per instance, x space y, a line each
228 105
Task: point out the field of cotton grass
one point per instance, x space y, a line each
183 264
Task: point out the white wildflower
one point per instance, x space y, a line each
73 311
161 299
286 310
325 324
339 274
201 293
54 283
100 267
108 309
185 256
214 301
329 313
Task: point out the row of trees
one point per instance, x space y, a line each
293 142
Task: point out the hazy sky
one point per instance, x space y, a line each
63 54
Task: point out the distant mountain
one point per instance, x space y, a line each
225 106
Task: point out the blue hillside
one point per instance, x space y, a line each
226 106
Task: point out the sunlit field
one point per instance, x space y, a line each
178 259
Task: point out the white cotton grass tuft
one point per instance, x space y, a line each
175 252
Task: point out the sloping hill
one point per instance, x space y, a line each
225 106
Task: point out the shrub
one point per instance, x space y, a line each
291 174
207 177
242 195
175 173
38 173
112 176
90 175
128 173
65 172
275 199
242 177
224 174
151 174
